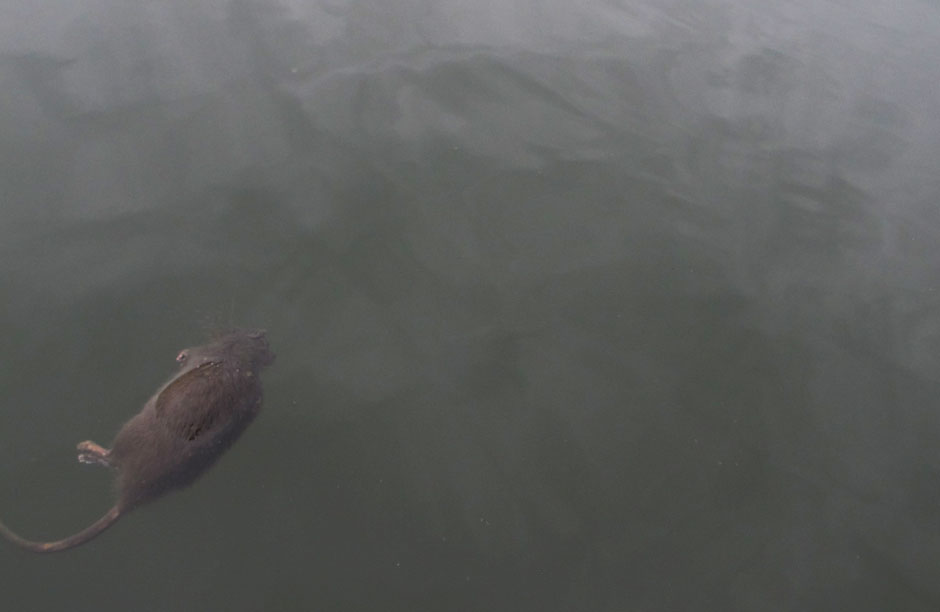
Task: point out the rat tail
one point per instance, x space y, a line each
90 532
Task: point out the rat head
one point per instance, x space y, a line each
246 348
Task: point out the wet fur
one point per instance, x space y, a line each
181 431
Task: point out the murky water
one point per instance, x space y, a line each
577 306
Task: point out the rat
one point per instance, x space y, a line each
180 432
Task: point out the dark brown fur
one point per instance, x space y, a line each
181 431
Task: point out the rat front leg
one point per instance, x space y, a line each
89 452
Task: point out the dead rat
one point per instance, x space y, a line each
181 431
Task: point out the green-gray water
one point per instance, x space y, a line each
577 305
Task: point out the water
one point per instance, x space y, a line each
590 306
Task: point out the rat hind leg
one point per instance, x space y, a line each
89 452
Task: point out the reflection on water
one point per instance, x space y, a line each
577 307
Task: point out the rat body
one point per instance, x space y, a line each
180 432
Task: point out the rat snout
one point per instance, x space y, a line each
266 356
269 357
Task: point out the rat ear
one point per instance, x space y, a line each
187 406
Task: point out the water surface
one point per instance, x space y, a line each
577 306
